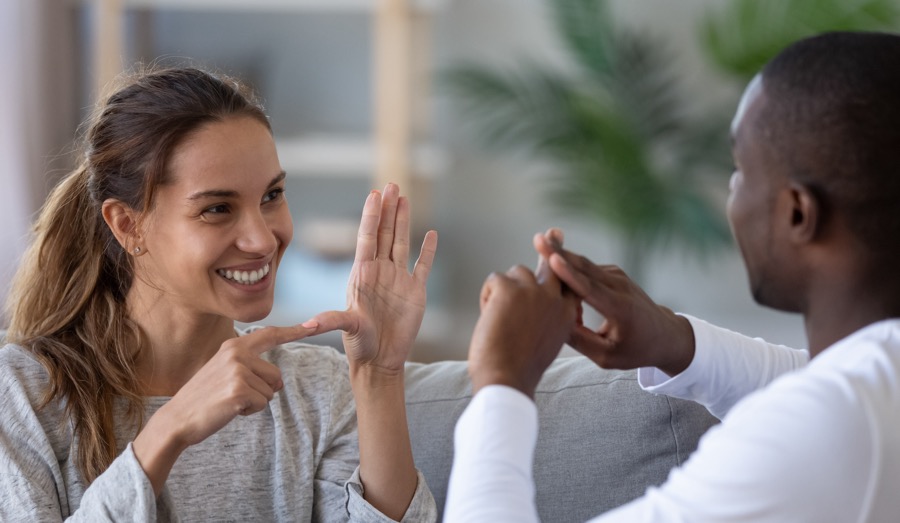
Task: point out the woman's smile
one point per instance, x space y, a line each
246 277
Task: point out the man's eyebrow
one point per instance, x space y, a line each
227 193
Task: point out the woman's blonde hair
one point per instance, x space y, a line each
67 302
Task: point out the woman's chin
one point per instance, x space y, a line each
252 316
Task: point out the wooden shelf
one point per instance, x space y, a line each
323 6
350 156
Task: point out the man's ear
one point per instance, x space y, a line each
122 220
806 213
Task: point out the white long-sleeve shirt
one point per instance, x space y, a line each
816 442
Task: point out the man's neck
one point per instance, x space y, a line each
835 313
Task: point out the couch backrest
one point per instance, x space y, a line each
602 439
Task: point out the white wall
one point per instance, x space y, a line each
37 120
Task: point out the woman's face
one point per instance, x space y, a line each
219 227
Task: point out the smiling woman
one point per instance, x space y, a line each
127 393
224 194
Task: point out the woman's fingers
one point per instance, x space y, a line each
384 231
426 257
367 237
400 249
388 218
266 371
335 320
262 340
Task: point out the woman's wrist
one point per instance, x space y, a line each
157 447
365 376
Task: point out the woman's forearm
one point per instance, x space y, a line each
386 465
156 449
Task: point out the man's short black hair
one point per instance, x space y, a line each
833 118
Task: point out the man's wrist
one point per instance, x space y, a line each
683 349
484 377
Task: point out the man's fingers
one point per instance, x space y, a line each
521 273
542 271
549 242
542 245
367 237
591 283
555 237
578 281
387 221
590 344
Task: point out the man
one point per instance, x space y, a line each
805 435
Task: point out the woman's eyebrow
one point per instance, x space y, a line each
227 193
281 176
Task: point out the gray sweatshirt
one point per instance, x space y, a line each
295 461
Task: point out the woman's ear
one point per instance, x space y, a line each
122 220
806 213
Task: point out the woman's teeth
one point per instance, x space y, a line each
244 277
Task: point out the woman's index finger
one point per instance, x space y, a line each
267 338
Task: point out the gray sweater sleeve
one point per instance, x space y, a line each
34 444
39 482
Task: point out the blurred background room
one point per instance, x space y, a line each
499 118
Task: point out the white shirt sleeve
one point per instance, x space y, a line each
800 451
764 463
491 480
726 367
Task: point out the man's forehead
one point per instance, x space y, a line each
753 90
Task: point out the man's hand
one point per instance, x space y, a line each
525 319
636 332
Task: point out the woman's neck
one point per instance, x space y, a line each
179 343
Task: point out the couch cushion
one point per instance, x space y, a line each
602 439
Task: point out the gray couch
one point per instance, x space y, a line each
602 439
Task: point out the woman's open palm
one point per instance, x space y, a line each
385 301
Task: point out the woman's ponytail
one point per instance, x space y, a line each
68 299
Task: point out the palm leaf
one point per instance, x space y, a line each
742 37
526 108
586 29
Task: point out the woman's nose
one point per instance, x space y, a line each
256 235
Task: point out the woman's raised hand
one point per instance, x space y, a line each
385 307
385 301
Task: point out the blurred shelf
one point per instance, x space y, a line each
349 156
324 6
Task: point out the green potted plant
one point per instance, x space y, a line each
614 131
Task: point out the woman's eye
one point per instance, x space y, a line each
216 209
273 195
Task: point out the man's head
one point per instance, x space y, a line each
817 152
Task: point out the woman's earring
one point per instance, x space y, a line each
136 250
